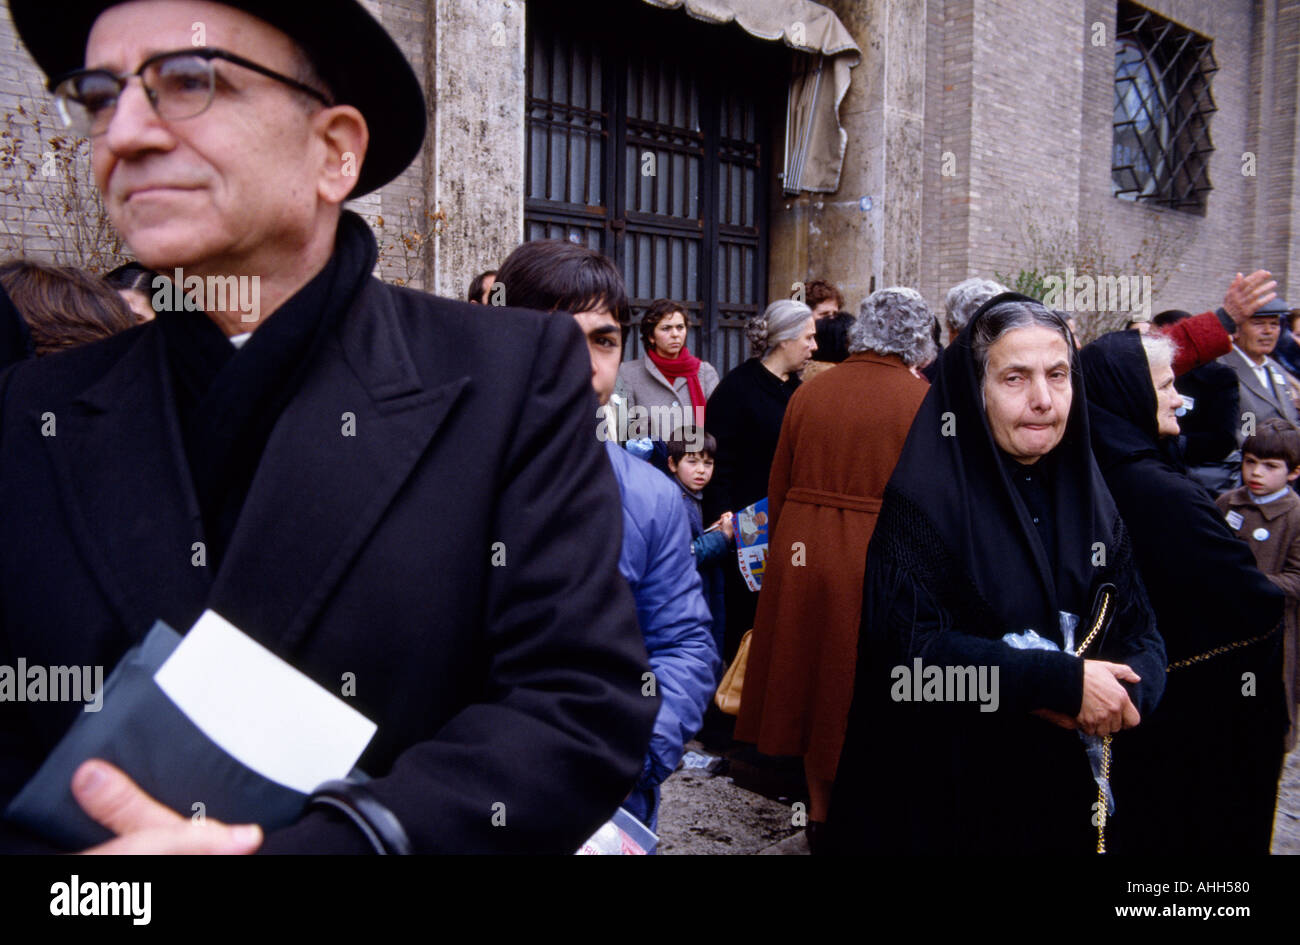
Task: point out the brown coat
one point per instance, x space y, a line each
841 437
1277 556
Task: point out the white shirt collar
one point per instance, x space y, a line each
1261 370
1266 499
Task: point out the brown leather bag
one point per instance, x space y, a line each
727 698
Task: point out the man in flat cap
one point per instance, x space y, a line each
376 485
1265 390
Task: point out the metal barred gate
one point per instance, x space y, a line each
651 143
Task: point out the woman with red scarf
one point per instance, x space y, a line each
668 377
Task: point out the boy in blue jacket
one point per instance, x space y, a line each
690 464
656 560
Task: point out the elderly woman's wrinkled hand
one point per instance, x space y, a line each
1106 706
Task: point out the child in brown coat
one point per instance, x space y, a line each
1265 513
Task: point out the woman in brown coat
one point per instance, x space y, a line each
840 439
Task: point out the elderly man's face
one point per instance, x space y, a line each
229 190
1027 392
1258 337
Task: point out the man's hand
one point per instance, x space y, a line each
1248 294
143 825
1106 707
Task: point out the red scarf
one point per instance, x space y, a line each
684 365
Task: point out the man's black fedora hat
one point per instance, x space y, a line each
351 51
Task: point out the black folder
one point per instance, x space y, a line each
140 730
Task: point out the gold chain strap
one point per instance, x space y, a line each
1106 740
1218 651
1102 811
1102 613
1097 624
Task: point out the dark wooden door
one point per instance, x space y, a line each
649 139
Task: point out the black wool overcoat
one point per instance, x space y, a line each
458 554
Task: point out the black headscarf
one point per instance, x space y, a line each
960 486
1122 398
15 338
956 563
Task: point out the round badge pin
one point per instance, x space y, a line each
1259 534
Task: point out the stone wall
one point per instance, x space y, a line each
476 72
830 236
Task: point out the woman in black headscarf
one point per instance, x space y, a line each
1200 775
995 523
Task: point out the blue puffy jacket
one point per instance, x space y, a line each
675 623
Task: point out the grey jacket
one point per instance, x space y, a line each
641 384
1255 399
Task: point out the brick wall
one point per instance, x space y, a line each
1023 101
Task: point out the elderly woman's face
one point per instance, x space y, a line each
1168 400
1027 392
798 351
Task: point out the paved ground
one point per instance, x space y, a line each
1286 824
744 804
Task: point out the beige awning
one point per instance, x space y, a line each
814 138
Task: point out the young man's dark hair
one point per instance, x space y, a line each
1169 317
690 440
478 288
819 290
131 277
550 275
1275 438
659 310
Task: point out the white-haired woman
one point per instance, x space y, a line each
1199 775
744 415
841 437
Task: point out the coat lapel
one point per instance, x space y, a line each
653 370
121 468
337 457
1251 381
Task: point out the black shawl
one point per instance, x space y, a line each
955 563
1201 771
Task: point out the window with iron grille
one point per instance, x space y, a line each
648 139
1163 106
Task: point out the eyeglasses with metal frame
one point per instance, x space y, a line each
179 85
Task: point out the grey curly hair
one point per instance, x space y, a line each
782 320
897 321
966 297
